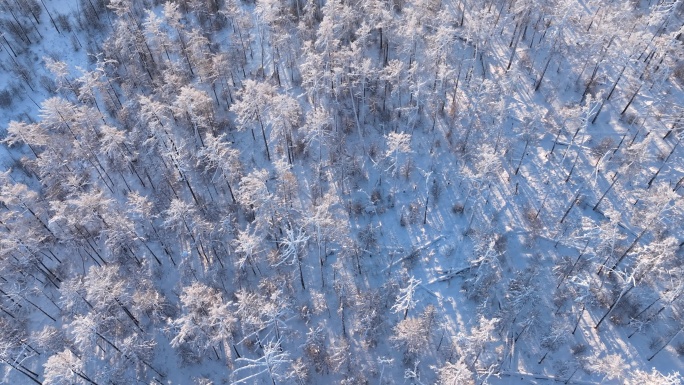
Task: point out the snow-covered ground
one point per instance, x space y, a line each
455 192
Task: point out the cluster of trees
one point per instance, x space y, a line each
230 183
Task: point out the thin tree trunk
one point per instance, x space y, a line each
527 142
546 66
631 100
579 318
615 179
612 307
663 347
263 134
574 200
650 182
630 248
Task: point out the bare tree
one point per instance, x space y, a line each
207 321
252 107
219 155
639 377
406 299
457 373
292 245
273 363
611 366
398 143
65 368
413 333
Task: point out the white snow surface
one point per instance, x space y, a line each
474 241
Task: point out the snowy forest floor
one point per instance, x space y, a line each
410 192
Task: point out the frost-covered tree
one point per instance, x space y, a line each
86 333
15 352
217 154
30 134
184 218
607 237
81 215
19 198
49 339
138 351
263 315
292 245
273 363
145 153
207 321
121 239
314 76
90 83
287 196
73 296
148 301
657 206
398 143
610 366
251 108
254 196
65 368
485 171
157 37
406 299
413 333
474 343
112 141
329 223
522 296
639 377
199 52
60 70
457 373
197 108
248 246
284 114
109 292
317 128
485 271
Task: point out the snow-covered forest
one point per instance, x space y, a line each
341 192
